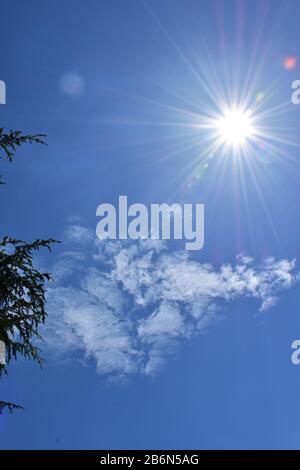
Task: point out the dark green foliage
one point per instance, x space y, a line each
22 286
9 141
9 406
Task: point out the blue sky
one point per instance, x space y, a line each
148 347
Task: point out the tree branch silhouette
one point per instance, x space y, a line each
22 286
9 141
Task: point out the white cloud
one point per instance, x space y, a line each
128 305
78 233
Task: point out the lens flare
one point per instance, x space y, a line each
290 62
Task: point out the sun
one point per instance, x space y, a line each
235 127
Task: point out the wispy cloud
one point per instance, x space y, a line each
76 232
128 305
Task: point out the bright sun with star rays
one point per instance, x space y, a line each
235 127
226 114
